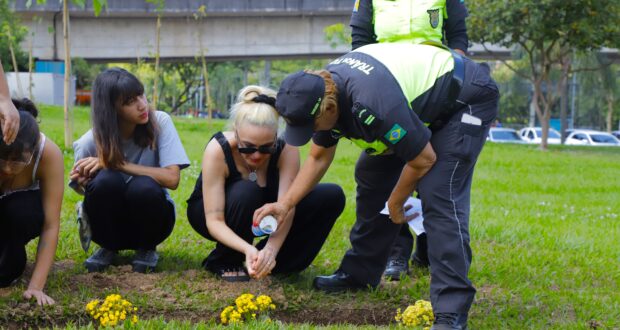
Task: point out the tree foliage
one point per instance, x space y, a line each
548 32
13 32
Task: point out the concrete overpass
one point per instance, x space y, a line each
231 30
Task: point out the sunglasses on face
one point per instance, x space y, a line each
15 165
264 149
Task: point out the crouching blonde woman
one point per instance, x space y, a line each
244 168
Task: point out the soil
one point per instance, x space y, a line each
168 303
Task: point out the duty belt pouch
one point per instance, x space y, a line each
456 85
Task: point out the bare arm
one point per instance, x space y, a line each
289 167
167 177
9 117
214 172
51 175
318 161
409 177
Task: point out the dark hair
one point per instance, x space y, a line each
28 134
112 89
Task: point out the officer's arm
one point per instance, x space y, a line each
455 27
408 181
362 27
318 161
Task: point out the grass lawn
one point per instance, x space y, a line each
545 229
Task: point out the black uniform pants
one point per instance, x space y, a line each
21 219
127 216
403 245
445 195
314 217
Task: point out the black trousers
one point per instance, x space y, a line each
127 216
21 219
445 194
314 217
403 244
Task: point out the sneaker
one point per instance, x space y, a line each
100 260
145 261
449 321
396 268
83 226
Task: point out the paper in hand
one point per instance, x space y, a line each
416 224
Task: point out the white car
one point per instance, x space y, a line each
504 135
591 138
533 135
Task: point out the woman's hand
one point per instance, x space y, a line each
251 255
265 262
42 298
9 118
278 210
86 167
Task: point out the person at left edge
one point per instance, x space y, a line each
124 166
31 189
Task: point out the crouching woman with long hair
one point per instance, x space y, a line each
31 188
124 166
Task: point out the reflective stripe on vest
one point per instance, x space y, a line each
412 21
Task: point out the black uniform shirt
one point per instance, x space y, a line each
372 107
455 29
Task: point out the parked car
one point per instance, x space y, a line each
593 138
504 135
533 135
616 134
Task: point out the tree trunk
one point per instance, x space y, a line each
610 110
67 107
20 89
157 39
566 64
30 96
205 74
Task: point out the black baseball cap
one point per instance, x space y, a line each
298 101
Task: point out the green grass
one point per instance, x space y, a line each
545 228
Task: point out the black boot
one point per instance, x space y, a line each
419 259
338 282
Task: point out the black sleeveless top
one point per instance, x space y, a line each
273 174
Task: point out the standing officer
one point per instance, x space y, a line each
412 21
380 97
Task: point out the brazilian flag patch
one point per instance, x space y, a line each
395 134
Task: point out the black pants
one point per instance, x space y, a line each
314 217
445 195
21 219
403 245
133 215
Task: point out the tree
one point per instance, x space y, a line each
199 15
98 6
159 8
12 33
548 32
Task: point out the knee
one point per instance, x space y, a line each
106 182
333 196
144 188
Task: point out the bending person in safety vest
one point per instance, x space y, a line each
416 22
375 98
